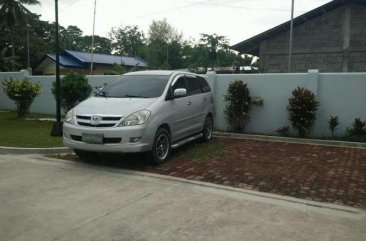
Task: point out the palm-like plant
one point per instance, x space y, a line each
6 62
14 14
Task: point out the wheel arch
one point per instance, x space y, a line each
165 126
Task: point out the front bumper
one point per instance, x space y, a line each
124 146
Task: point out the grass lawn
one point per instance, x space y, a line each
26 133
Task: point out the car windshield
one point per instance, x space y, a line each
135 86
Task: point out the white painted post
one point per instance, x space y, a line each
312 80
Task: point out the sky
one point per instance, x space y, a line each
236 19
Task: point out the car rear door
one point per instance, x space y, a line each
197 102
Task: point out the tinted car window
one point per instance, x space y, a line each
204 85
193 86
136 86
180 83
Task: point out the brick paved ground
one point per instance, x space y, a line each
328 174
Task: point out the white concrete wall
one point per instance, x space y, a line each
45 102
340 94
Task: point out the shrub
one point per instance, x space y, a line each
239 105
358 127
74 88
283 131
23 92
118 69
302 110
333 124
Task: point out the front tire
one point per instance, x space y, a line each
207 129
161 146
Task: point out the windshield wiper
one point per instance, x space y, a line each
133 96
101 93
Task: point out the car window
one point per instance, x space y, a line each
135 86
180 83
204 85
193 86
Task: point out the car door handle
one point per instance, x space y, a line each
189 103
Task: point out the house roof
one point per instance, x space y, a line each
251 45
80 60
66 61
105 59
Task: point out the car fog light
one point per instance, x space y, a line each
135 139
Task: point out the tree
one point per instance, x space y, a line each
14 15
102 45
214 43
128 41
70 37
164 45
195 56
41 41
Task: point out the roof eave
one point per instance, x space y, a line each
251 45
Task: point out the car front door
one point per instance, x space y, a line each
181 108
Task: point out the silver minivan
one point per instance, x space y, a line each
145 111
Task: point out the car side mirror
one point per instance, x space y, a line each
180 92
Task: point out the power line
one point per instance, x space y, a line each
246 8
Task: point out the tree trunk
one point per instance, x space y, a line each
13 53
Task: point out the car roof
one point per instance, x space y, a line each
158 72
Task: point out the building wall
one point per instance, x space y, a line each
333 42
357 55
339 94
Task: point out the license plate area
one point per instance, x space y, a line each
92 138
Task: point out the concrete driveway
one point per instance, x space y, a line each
44 199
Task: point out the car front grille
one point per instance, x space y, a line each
103 121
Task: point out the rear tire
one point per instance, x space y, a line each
85 155
161 146
207 129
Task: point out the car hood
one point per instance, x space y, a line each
112 106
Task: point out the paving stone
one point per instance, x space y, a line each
321 173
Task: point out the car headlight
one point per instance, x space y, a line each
137 118
69 117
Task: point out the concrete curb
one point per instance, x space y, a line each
273 198
359 145
58 150
46 151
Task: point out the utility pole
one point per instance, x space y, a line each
291 37
167 53
92 46
57 126
28 56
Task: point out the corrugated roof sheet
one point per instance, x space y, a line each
106 59
66 61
